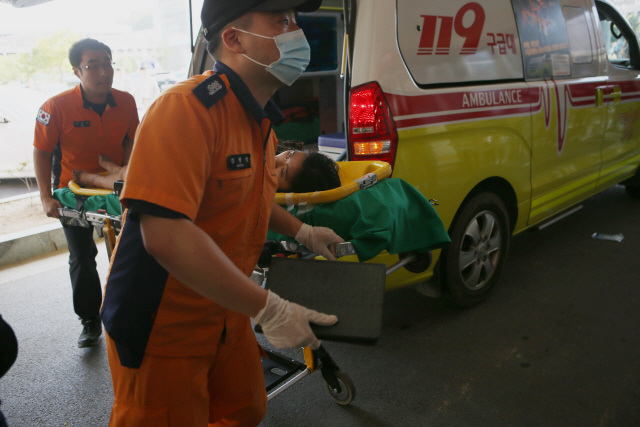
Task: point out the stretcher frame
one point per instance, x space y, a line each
105 224
338 384
280 371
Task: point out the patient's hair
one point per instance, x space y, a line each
286 145
318 173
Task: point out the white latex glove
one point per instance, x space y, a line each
286 324
318 240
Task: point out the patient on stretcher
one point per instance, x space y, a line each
297 172
391 215
305 171
94 180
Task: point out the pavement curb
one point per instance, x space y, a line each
33 242
22 245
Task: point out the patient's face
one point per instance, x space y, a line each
288 165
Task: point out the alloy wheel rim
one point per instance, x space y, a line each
480 250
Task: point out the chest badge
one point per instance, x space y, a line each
82 124
238 161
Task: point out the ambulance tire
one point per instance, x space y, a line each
632 185
633 191
480 237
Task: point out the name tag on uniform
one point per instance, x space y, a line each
83 124
238 161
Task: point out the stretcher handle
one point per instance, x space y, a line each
342 249
117 187
79 191
355 175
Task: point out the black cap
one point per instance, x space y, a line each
218 13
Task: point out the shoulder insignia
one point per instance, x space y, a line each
210 90
43 117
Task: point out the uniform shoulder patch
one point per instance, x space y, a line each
210 90
43 117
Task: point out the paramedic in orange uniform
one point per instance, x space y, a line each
200 194
72 130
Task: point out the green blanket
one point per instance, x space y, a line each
392 215
110 202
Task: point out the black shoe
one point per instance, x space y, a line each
90 332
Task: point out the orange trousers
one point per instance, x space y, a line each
225 389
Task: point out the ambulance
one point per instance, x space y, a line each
508 112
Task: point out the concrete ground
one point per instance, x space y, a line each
557 344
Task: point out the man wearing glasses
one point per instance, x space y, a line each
72 130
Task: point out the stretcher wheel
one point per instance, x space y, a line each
347 389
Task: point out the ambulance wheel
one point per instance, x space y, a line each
632 185
347 389
633 191
480 237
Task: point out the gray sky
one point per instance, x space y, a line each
76 15
79 16
100 15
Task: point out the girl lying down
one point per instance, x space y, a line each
297 172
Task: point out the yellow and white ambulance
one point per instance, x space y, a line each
508 112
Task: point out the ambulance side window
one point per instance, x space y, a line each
621 48
581 37
616 44
545 40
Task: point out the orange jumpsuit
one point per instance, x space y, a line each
206 151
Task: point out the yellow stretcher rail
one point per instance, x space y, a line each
353 176
107 226
76 189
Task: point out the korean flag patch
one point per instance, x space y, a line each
43 117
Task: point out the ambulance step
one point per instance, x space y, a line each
558 217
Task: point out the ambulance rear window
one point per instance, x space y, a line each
459 41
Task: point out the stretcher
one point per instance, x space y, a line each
361 224
280 371
106 219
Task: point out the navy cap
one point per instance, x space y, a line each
218 13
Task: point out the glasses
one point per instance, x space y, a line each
95 67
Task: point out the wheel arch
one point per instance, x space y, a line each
500 187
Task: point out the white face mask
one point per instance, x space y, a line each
295 55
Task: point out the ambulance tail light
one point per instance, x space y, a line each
372 132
